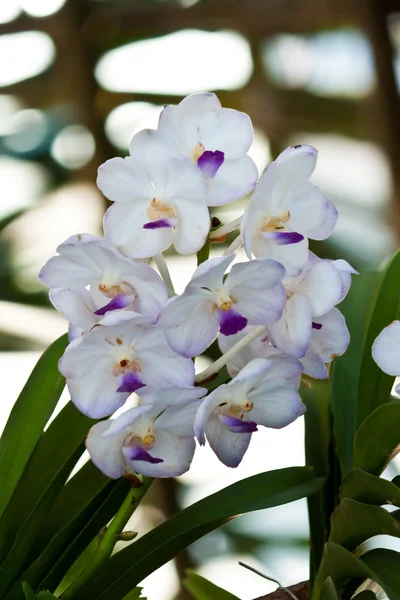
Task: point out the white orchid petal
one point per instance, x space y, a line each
124 180
386 349
106 452
276 404
233 180
323 288
292 333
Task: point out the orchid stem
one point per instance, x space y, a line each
225 229
110 537
222 361
162 266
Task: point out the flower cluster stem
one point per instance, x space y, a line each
222 360
225 229
110 537
162 266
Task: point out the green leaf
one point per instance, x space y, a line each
319 450
54 457
382 566
132 564
49 568
202 589
346 368
370 489
355 522
28 418
378 439
30 595
328 591
374 385
135 594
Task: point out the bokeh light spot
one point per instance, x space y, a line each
179 63
73 147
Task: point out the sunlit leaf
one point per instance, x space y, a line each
378 439
368 488
28 417
131 565
374 385
202 589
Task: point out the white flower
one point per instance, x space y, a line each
155 439
108 364
386 350
88 279
321 285
329 339
251 293
263 393
217 140
159 199
286 209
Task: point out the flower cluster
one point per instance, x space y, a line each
273 311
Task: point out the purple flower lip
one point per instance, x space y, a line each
116 303
237 425
130 383
230 322
283 238
139 453
209 162
159 224
316 325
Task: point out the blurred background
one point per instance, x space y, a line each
79 77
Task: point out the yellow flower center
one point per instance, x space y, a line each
198 150
158 210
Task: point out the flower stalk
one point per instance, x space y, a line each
225 358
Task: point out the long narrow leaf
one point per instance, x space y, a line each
49 568
346 368
202 589
131 565
28 418
52 456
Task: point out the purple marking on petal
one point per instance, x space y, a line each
130 383
316 325
116 303
209 162
230 322
237 425
159 224
138 453
283 238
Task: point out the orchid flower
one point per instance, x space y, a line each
159 198
386 350
329 339
263 393
251 293
286 209
108 364
320 286
155 439
88 279
216 139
